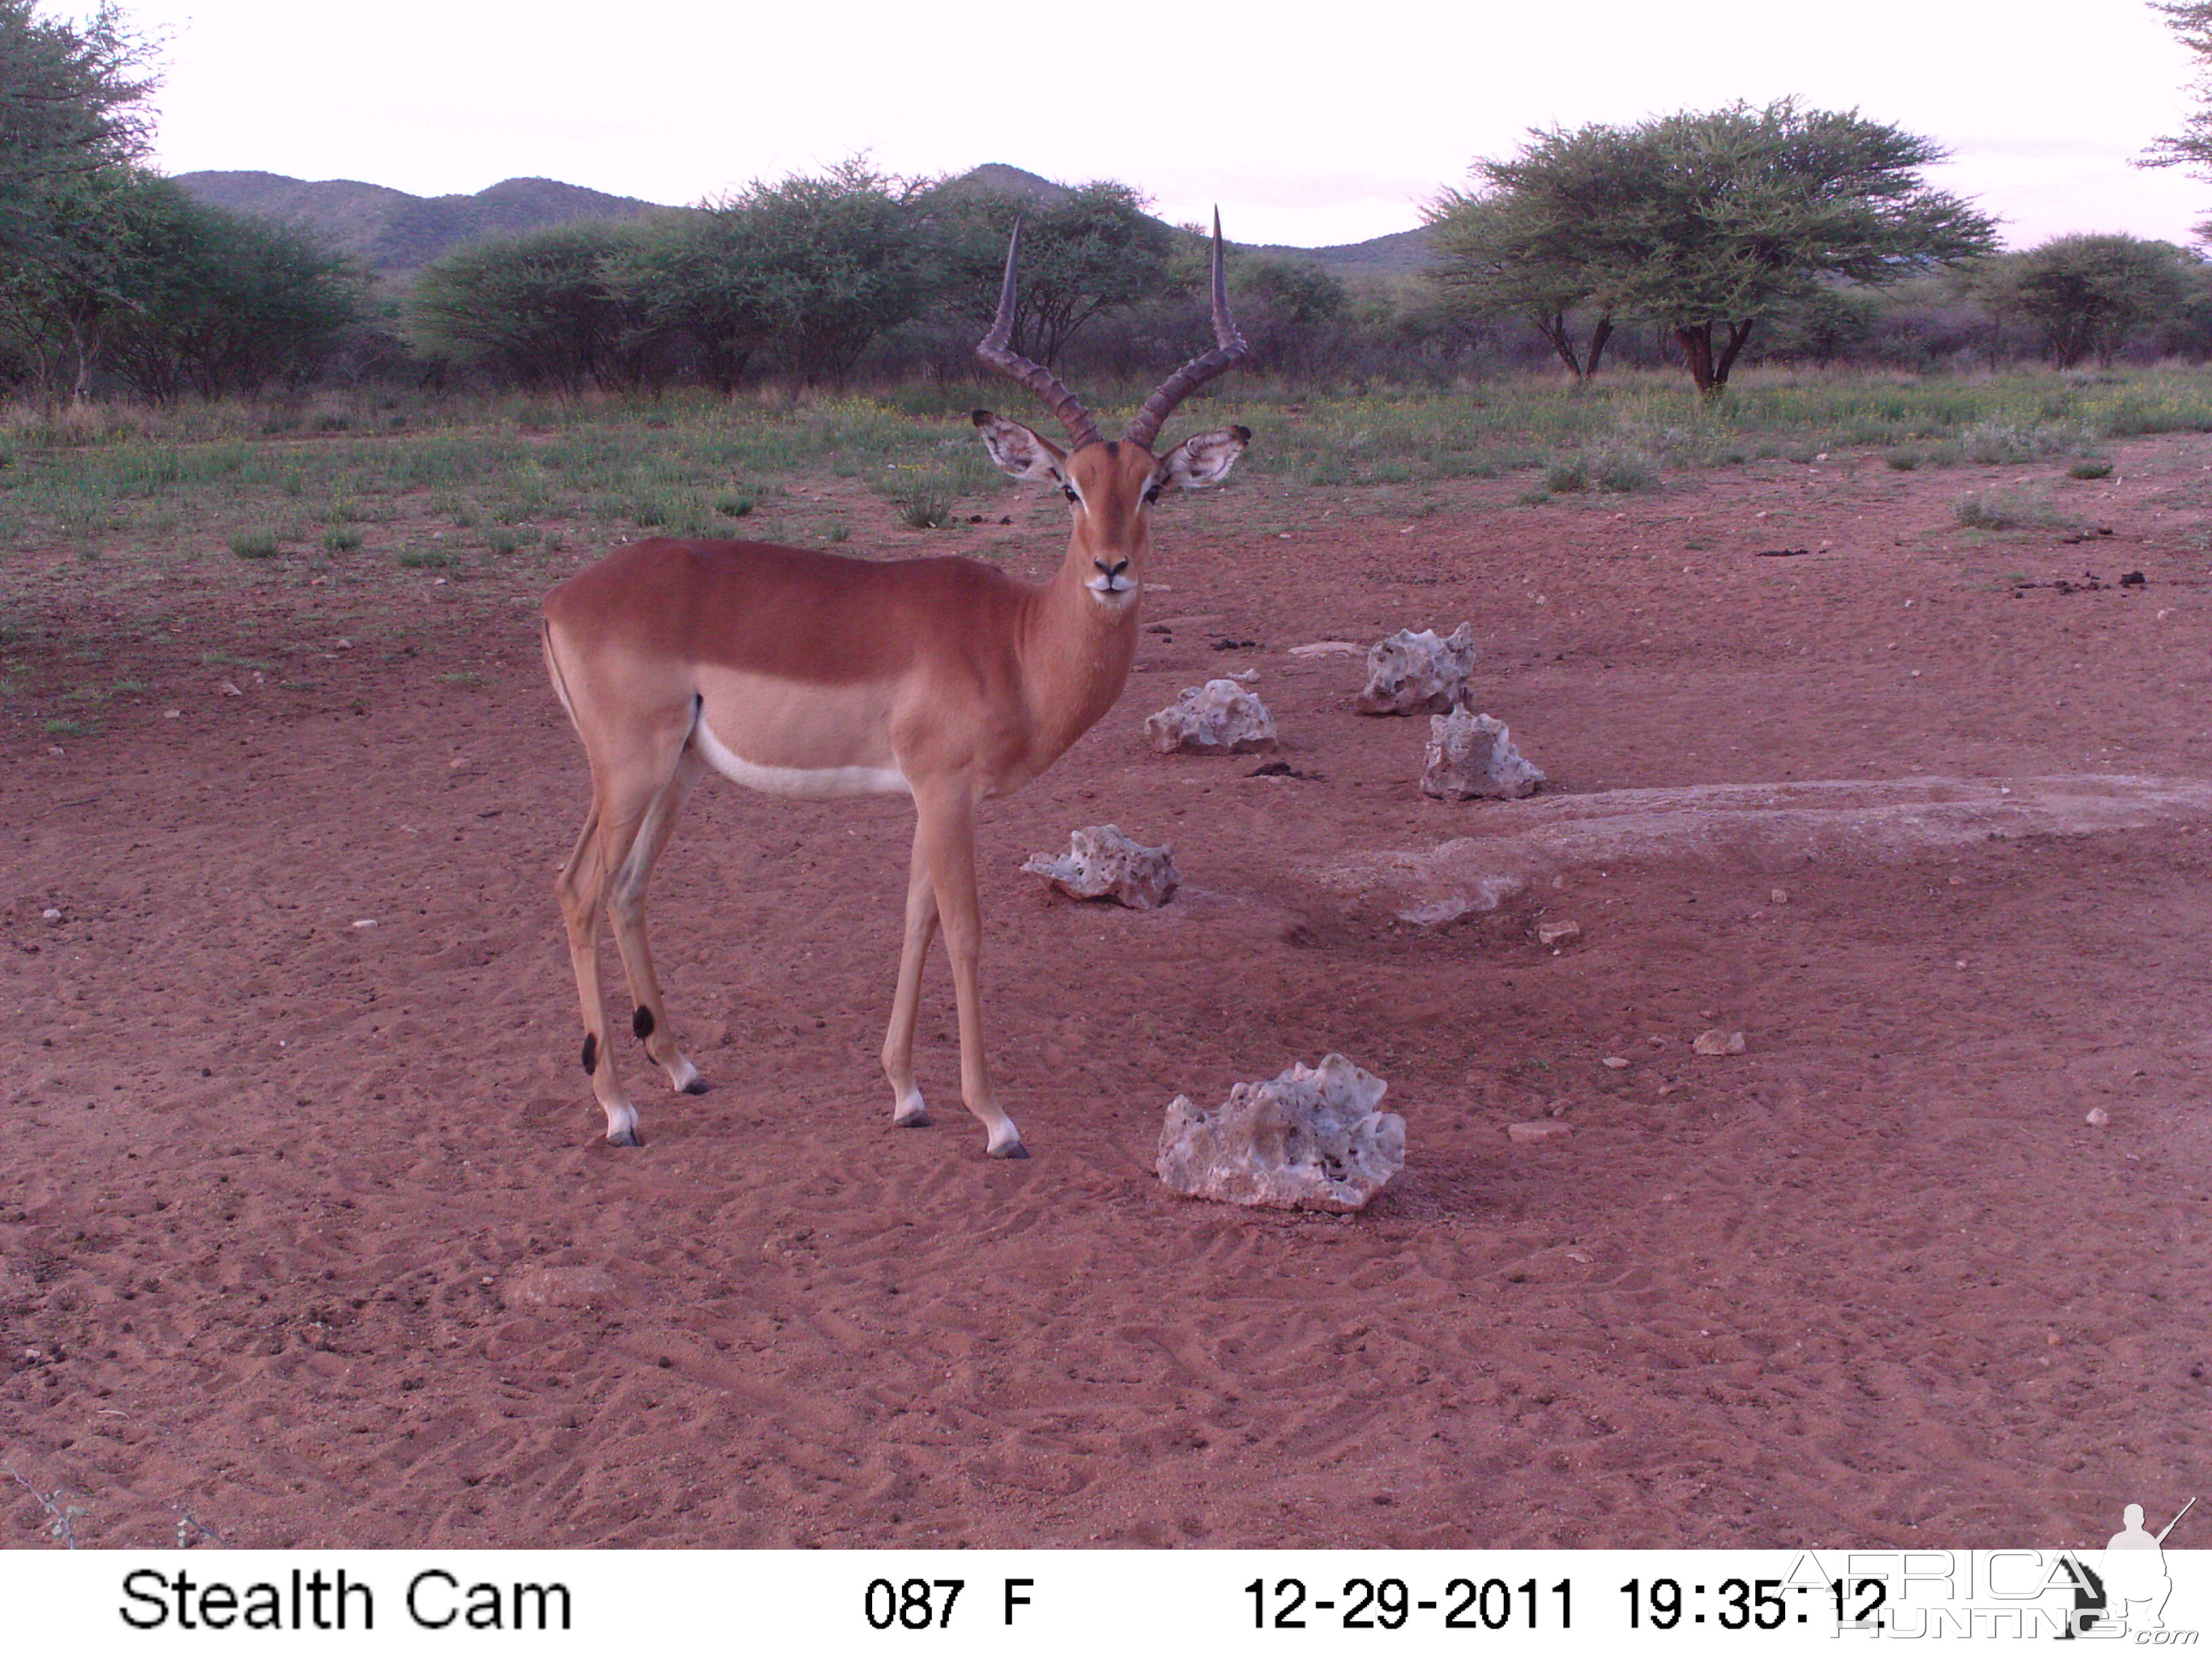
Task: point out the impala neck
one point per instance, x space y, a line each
1079 645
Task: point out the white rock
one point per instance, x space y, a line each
1546 1131
535 1285
1553 935
1101 862
1411 671
2098 1117
1311 1139
1472 756
1717 1042
1326 649
1218 718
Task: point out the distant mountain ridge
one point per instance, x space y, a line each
397 234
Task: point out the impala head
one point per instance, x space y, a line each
1111 483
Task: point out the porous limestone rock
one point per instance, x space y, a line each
1218 718
1101 862
1472 756
1410 673
1311 1139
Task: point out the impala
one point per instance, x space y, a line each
806 674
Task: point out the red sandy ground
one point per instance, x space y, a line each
282 1188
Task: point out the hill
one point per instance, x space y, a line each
396 233
1398 254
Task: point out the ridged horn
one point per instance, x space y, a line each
1229 350
995 351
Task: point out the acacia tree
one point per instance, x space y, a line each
71 106
542 309
2191 147
2087 294
229 304
1091 251
823 265
1521 242
1704 224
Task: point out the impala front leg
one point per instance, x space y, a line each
908 1111
945 830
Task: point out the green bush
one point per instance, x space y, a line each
254 544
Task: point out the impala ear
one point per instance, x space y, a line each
1019 452
1205 459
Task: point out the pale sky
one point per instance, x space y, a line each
1309 124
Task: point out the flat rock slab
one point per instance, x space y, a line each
1513 844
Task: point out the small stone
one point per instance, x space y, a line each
1717 1042
458 763
1410 673
2098 1117
369 922
1528 1132
1249 677
229 690
50 916
1779 896
341 645
1311 1138
1101 862
1614 1063
1471 756
537 1287
1326 649
1218 718
1553 935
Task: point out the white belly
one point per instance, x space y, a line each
819 782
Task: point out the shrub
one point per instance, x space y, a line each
2005 509
254 544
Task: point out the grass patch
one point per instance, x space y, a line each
925 510
2090 470
2008 509
254 544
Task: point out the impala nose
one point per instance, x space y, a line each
1113 578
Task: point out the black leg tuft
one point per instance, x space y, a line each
642 1023
590 1053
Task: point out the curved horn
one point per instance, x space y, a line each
1229 350
993 350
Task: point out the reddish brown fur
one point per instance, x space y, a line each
954 676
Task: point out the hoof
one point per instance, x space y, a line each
919 1118
1016 1149
697 1086
628 1137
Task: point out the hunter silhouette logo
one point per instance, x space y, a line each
2128 1589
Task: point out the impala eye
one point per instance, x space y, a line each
1151 494
1068 490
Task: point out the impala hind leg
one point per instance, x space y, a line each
945 831
908 1111
578 887
620 807
649 1018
